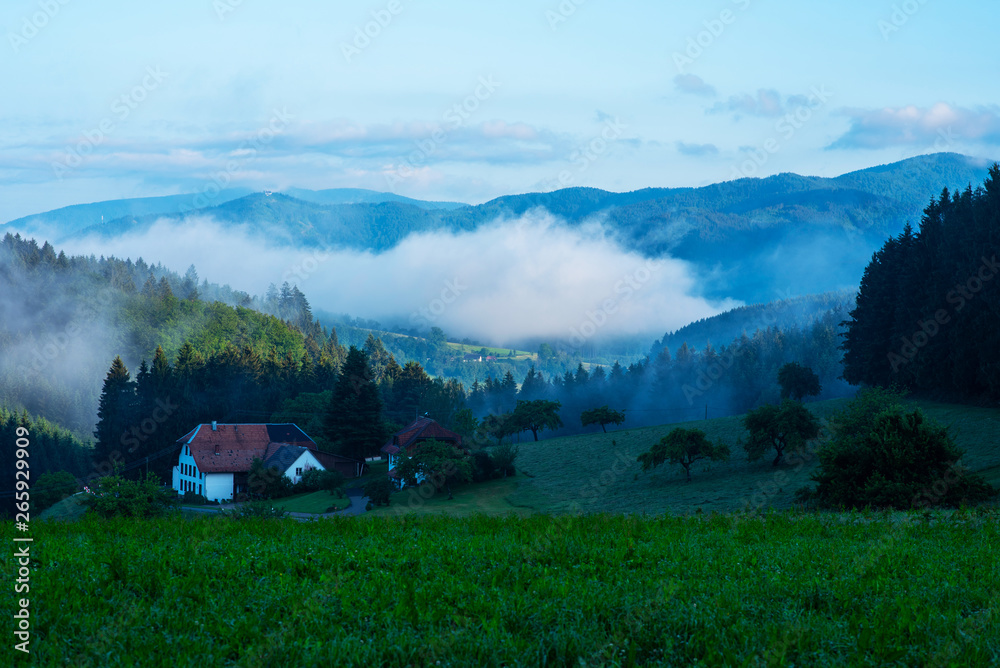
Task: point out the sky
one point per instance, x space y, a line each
467 101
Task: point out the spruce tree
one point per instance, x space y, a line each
353 422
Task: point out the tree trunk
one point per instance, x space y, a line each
604 428
777 460
535 432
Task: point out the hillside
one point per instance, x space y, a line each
598 473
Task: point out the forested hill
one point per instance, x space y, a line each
798 312
63 318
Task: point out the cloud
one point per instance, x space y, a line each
767 103
506 282
697 149
693 84
939 125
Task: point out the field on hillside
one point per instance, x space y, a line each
599 472
779 589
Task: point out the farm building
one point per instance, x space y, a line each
215 459
422 430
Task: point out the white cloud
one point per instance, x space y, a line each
508 281
939 125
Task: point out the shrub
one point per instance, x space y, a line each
194 498
378 491
51 488
267 482
114 496
315 480
482 467
504 456
892 460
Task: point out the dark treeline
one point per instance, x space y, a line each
928 309
681 385
49 449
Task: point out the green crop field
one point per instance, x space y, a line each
780 589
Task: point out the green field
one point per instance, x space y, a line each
313 502
781 589
599 473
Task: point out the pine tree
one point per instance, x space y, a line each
353 420
115 414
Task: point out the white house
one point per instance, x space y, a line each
214 459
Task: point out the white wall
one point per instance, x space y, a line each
187 477
305 461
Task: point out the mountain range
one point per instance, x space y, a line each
751 239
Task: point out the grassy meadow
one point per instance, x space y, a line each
777 589
599 473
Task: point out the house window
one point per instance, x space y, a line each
298 471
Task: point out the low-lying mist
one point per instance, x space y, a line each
513 280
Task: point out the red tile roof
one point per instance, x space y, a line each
230 448
423 429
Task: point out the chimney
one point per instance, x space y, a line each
214 426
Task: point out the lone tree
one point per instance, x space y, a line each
441 464
788 426
602 416
684 447
534 416
798 381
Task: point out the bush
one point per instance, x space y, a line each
892 459
482 467
267 482
503 457
114 496
378 491
194 498
51 488
315 480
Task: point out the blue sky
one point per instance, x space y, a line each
470 100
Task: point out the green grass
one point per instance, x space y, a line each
599 473
499 353
376 469
783 589
67 510
313 502
490 498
